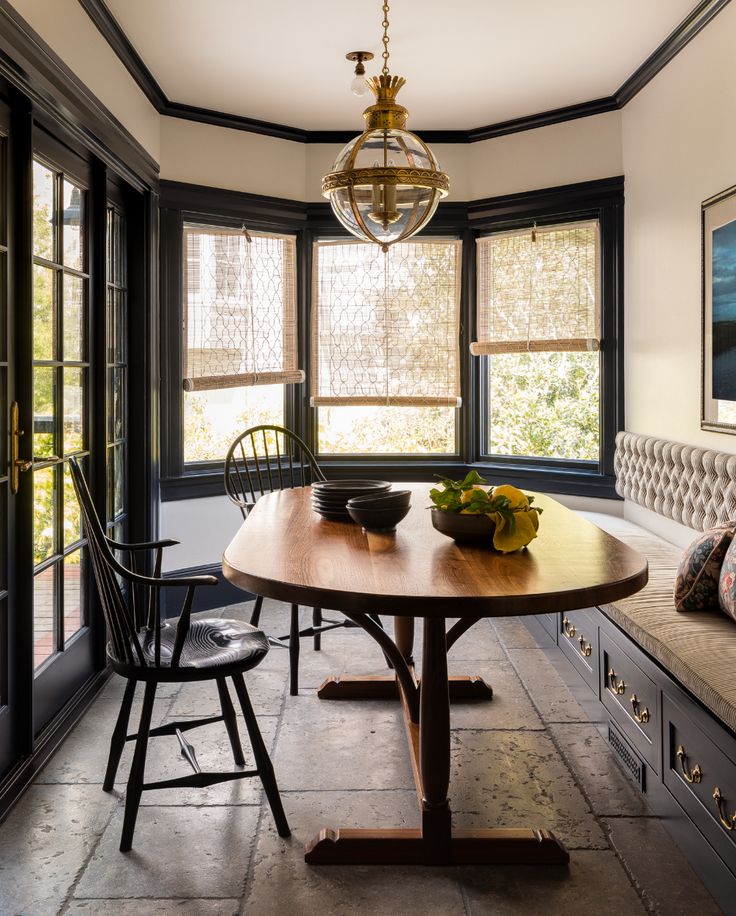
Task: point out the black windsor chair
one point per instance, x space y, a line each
143 648
264 459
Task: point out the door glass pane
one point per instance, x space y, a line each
43 212
72 516
73 318
44 513
44 318
3 314
118 403
73 569
118 476
73 410
44 605
44 380
73 202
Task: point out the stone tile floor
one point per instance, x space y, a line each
529 757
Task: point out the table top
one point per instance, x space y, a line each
284 550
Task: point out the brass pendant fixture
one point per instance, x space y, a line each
386 183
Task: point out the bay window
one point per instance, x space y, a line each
493 341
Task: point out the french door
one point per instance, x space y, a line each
64 233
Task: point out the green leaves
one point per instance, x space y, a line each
468 496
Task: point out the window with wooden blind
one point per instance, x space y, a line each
240 316
385 346
538 326
239 334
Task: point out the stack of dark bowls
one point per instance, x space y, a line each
380 511
330 497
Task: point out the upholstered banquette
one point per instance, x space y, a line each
667 679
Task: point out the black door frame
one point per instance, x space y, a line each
40 89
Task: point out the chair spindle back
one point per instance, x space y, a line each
264 459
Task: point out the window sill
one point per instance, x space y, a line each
570 481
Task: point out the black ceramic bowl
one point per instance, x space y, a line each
378 519
382 500
465 529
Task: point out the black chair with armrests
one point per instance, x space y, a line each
143 648
264 459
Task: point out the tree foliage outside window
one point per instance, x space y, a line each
213 419
544 405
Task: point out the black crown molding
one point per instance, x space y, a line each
109 27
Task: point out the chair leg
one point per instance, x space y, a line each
231 722
317 622
117 743
256 615
135 779
263 761
294 651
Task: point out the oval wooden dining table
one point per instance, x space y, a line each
284 550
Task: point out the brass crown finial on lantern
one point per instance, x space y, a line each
386 183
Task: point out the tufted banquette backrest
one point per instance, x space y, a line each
693 486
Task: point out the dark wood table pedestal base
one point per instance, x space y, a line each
463 689
499 846
426 708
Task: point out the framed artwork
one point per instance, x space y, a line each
718 411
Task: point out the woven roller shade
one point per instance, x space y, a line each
539 290
240 309
386 327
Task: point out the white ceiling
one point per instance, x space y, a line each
467 63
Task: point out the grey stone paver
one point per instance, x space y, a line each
517 779
660 871
45 841
589 756
177 852
595 883
551 696
341 744
140 907
341 890
521 759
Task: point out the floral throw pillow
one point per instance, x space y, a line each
727 584
699 581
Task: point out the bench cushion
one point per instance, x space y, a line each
697 648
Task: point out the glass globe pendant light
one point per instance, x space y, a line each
386 183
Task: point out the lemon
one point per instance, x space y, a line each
517 499
467 495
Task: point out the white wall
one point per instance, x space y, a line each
68 30
560 154
234 159
203 526
679 142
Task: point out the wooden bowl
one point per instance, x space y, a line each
465 529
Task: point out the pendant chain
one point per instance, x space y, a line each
384 69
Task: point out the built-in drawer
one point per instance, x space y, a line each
578 639
702 778
631 697
549 622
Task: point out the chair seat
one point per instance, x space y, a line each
210 643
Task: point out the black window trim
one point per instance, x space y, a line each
601 199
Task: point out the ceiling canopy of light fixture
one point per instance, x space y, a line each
386 183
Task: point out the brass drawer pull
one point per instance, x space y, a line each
568 628
696 774
643 716
729 822
618 688
585 647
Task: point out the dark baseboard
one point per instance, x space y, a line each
206 598
21 776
